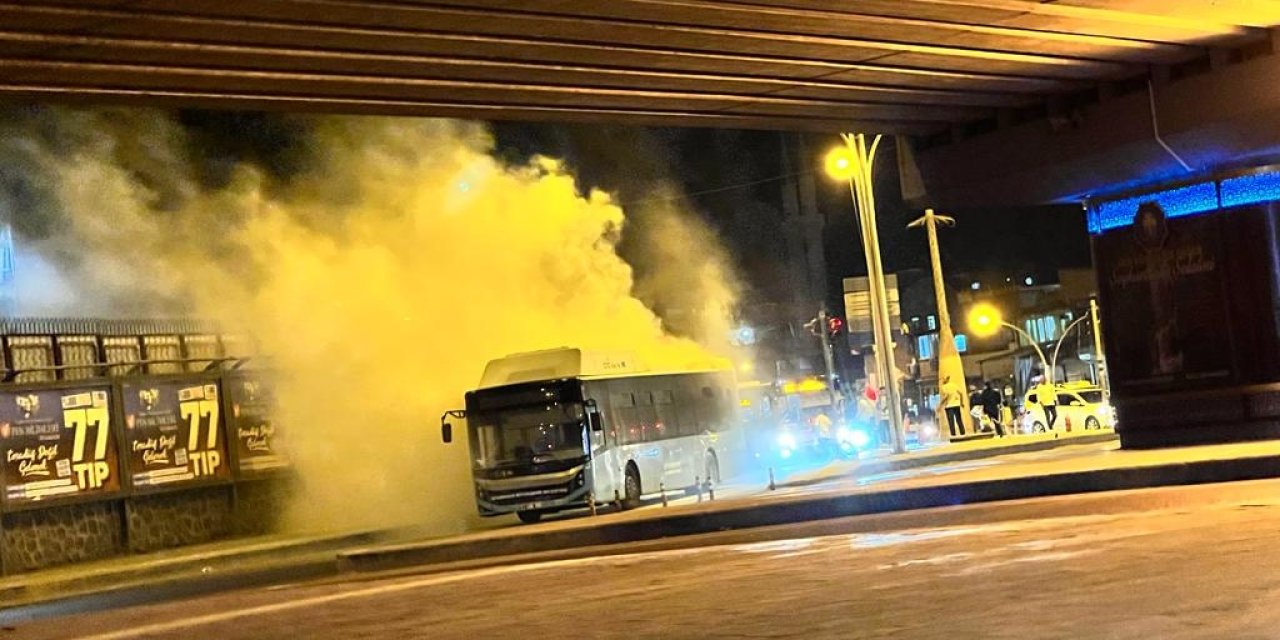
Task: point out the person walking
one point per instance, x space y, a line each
1047 396
951 395
991 401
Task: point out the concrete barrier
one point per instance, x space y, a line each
788 510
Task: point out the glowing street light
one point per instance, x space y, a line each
985 320
841 163
852 162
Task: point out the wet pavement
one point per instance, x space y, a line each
1189 572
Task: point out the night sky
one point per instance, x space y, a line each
732 179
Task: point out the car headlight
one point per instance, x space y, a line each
787 441
855 437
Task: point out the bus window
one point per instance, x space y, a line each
665 414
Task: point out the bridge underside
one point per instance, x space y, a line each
947 71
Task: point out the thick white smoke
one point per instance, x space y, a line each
380 278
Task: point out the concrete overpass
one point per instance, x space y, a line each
1006 101
962 75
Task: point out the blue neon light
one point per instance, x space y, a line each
1181 201
1250 189
1200 197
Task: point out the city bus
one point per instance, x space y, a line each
560 429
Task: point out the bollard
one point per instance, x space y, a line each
772 486
697 482
662 488
591 502
617 500
711 491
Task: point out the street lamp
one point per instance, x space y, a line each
853 162
985 320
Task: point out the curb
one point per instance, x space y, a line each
873 467
1097 504
810 508
37 589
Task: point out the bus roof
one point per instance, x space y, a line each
565 362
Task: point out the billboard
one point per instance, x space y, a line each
253 428
1165 286
57 443
173 432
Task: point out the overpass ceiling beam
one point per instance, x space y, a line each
460 109
241 17
277 59
62 21
844 20
1195 22
152 77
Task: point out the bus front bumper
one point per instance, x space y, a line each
552 492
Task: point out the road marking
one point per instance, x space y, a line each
213 618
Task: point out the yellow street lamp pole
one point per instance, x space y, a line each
854 162
949 363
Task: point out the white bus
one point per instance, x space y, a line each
553 430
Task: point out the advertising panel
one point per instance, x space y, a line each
256 438
173 432
1164 284
57 443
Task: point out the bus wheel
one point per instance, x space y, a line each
529 517
632 488
713 468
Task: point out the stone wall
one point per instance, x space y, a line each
60 534
179 518
259 506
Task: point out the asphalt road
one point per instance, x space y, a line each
1189 572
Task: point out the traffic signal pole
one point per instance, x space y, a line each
824 333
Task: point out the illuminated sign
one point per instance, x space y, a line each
57 443
173 432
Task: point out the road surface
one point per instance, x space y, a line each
1192 572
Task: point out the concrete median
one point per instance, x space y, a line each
784 510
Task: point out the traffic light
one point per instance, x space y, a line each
834 325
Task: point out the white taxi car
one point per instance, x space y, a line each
1080 406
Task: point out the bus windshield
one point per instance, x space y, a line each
517 434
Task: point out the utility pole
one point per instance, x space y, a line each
949 363
1099 359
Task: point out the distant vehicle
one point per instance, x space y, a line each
1080 405
798 422
560 429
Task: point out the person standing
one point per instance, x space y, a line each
1047 396
991 406
952 399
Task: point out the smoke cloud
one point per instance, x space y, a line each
380 275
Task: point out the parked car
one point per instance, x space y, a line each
1080 406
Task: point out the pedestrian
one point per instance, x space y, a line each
1047 396
952 398
991 406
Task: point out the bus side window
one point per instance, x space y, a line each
645 416
624 406
706 409
686 410
665 414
